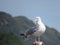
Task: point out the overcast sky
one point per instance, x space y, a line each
48 10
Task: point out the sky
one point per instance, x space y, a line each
48 10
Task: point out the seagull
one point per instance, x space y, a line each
36 31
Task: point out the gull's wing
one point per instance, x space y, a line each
31 30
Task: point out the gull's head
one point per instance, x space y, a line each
37 19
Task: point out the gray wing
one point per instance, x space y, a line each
31 30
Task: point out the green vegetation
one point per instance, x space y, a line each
9 39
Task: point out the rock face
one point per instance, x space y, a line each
20 24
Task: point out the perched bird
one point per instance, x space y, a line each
37 30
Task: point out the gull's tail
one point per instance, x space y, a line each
23 35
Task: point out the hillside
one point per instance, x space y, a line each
20 24
8 30
9 39
8 23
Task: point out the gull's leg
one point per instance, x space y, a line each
37 38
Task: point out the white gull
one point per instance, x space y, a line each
35 31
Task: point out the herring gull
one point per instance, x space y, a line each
37 30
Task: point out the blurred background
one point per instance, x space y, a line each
16 17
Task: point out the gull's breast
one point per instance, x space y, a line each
40 31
